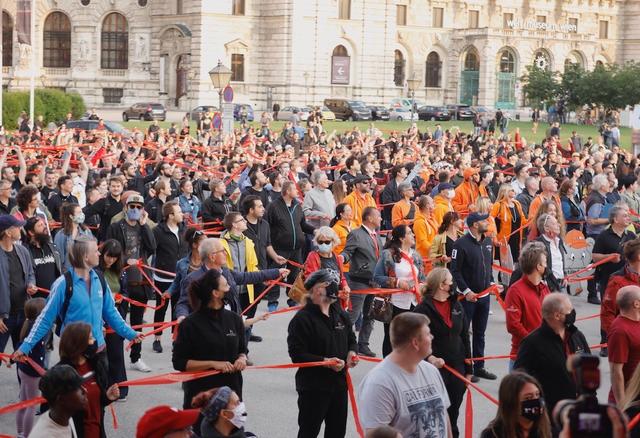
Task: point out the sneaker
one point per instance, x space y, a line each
474 379
255 338
593 300
604 352
272 307
140 366
484 374
366 351
157 346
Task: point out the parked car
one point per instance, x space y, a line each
287 113
461 112
428 112
145 111
90 125
404 102
198 111
346 109
236 111
327 114
402 114
483 111
379 112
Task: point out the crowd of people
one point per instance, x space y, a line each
405 229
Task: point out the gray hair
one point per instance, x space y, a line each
404 186
542 222
316 176
326 232
616 210
600 181
553 303
207 246
78 249
626 296
530 256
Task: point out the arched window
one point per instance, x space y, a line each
7 39
471 62
433 77
507 62
398 68
56 46
115 42
340 66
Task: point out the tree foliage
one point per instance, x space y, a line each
52 104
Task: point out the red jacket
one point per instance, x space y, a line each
609 308
524 309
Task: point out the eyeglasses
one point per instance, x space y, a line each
199 233
324 242
240 220
135 207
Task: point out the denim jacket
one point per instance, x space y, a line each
188 209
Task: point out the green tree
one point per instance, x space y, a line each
540 86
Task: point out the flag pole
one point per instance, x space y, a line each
32 84
1 63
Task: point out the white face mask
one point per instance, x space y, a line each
325 247
239 416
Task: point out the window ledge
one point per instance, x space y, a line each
56 71
113 72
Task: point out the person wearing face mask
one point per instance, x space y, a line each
524 297
72 219
138 243
442 201
450 330
321 331
79 350
543 352
223 414
324 258
521 410
167 422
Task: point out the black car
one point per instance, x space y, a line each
198 111
433 113
379 112
145 111
90 125
461 112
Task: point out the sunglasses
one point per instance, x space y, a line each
324 242
135 207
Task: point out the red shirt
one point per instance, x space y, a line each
93 414
444 309
624 344
524 309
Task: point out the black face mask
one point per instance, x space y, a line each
570 319
332 291
532 409
90 351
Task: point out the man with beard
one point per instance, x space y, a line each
47 264
107 207
471 269
166 175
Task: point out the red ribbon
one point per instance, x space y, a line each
257 300
468 417
354 405
589 267
285 310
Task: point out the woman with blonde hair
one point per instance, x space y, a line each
450 330
509 217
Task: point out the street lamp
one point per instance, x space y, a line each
220 76
413 83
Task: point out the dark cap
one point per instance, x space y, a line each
324 276
361 178
59 380
445 186
7 221
475 217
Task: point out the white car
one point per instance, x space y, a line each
403 102
287 113
402 114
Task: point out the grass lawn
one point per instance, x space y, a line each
465 126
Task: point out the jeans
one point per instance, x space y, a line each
14 325
360 305
159 314
136 314
478 315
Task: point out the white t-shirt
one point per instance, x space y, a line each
403 271
415 404
47 428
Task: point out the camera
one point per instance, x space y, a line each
587 418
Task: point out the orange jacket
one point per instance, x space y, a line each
425 229
466 194
442 206
358 203
342 229
501 211
400 211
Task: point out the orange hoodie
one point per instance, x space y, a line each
442 206
466 194
425 229
358 203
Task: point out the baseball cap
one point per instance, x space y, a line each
361 178
7 221
444 186
475 217
135 199
158 421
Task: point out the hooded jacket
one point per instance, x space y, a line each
466 194
251 259
609 309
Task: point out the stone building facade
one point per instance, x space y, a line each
117 52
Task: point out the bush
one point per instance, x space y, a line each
52 104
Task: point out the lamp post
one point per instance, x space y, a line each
220 76
413 83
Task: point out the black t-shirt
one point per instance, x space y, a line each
608 242
44 266
329 263
17 284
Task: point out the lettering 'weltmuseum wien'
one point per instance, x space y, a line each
117 52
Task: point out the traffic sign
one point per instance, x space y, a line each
217 121
227 94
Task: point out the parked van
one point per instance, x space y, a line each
346 109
